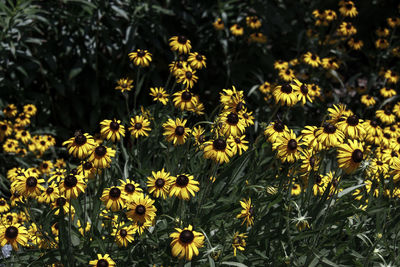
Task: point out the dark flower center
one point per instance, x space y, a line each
318 179
123 233
232 118
70 181
61 201
374 124
352 120
199 57
11 232
313 57
130 188
182 180
45 165
329 128
314 88
2 202
23 133
279 126
179 130
304 89
286 88
31 182
369 97
102 263
141 53
140 209
394 154
349 6
49 190
80 139
388 112
188 75
10 218
387 135
219 144
182 39
138 126
4 127
100 151
160 183
87 165
237 140
357 156
292 144
239 106
186 236
380 163
186 96
348 26
114 126
115 192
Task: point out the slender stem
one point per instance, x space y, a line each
138 87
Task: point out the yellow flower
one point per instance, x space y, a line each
175 131
239 242
124 85
183 186
13 234
247 212
186 242
180 44
159 94
140 57
236 30
112 130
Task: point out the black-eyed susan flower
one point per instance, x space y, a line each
368 100
4 207
238 144
183 186
288 147
177 67
296 189
218 24
197 61
14 235
124 85
312 59
80 146
175 131
347 29
5 129
309 161
302 92
180 44
329 15
184 100
330 63
387 92
391 76
23 119
393 22
253 22
112 130
329 135
309 138
247 212
217 150
101 156
355 44
130 190
285 94
233 124
28 185
274 130
140 227
287 74
386 116
199 136
281 65
186 243
337 112
141 209
30 110
236 30
315 91
187 77
350 155
159 94
348 9
10 111
24 136
258 37
159 183
139 126
72 185
140 57
238 242
61 203
102 261
381 43
123 235
16 198
352 127
113 198
49 195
